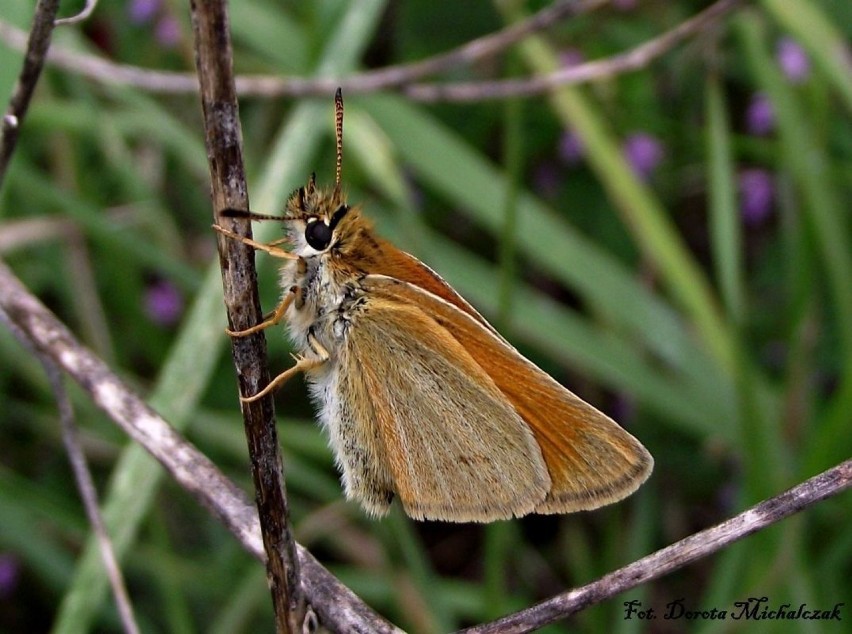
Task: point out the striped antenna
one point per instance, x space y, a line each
338 128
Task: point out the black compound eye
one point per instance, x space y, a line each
318 235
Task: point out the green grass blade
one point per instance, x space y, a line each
806 160
725 224
642 213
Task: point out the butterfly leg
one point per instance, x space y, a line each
276 316
303 364
271 249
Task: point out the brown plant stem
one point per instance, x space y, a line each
223 139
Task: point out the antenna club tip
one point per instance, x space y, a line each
338 94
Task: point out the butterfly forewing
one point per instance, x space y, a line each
591 461
406 268
433 440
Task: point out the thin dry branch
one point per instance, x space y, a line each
223 138
337 606
36 46
635 59
678 555
82 477
403 77
105 71
88 493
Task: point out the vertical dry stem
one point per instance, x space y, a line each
223 139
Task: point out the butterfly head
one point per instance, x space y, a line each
318 219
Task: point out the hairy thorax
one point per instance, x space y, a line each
325 304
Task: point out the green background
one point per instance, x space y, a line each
724 345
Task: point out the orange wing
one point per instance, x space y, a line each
432 434
591 460
402 266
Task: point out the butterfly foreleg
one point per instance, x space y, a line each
303 364
270 248
272 319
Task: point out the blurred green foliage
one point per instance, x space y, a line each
652 242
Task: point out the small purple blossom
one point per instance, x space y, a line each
163 303
570 57
143 11
644 152
757 194
793 60
760 115
10 572
571 148
167 31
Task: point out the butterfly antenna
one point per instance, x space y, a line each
338 129
230 212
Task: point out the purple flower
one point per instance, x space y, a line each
757 194
760 115
167 31
571 148
793 60
571 57
644 153
143 11
163 303
10 572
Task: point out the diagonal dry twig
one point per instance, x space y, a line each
103 70
100 69
37 46
632 60
680 554
337 606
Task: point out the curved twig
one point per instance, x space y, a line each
80 17
632 60
403 77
